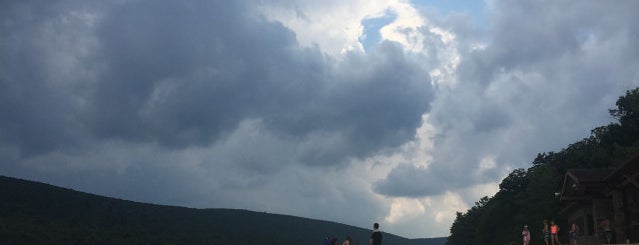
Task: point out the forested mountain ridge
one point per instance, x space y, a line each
37 213
527 196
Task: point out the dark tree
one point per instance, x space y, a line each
527 197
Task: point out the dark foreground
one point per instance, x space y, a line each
36 213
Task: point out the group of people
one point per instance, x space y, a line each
551 232
375 238
328 241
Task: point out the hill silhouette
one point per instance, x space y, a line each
37 213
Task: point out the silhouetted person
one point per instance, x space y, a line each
546 232
573 233
326 241
608 234
348 241
376 236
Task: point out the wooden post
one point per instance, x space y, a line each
619 216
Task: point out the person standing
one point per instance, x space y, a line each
605 224
554 233
348 241
546 232
376 235
334 241
573 233
326 241
526 235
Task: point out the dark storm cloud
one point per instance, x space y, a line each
548 75
200 104
403 182
188 74
37 99
181 73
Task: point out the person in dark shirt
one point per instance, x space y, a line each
376 236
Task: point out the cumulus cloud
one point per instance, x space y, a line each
548 74
277 106
183 74
202 104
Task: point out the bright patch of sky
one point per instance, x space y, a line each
372 27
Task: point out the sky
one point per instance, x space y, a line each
391 111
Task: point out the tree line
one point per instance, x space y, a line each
527 196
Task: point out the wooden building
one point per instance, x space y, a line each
592 197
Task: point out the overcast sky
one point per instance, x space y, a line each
391 111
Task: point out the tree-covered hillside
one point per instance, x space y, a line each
36 213
527 196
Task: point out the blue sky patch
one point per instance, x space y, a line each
372 27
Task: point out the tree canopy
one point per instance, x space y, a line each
527 196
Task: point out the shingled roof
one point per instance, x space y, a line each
581 183
588 175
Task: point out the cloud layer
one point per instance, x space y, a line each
199 104
548 74
186 74
276 105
